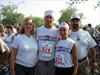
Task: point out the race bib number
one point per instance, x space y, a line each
46 49
59 59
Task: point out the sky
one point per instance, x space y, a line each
37 8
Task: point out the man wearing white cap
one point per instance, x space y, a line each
47 36
66 60
85 44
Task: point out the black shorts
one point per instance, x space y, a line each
23 70
64 71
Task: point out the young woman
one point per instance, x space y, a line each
24 51
66 61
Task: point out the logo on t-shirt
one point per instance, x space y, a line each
47 38
62 49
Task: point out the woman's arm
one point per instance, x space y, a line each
12 61
75 59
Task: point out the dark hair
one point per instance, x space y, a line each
84 28
89 25
9 26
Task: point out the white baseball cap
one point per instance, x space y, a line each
49 13
75 17
64 25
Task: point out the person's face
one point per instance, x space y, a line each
28 26
88 29
9 30
48 20
75 23
1 32
63 32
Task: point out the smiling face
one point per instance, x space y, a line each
75 23
63 32
48 21
28 26
9 29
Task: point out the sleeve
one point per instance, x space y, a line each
91 41
15 42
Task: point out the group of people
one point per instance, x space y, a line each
48 50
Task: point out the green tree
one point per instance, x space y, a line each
7 10
72 2
38 21
10 16
13 19
66 13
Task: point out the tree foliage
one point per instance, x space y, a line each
65 14
72 2
38 21
10 16
98 4
7 10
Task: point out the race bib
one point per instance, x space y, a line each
59 59
47 49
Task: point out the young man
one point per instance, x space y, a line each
85 44
47 36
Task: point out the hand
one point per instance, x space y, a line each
94 65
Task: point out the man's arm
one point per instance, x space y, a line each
93 54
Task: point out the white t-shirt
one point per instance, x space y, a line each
47 39
3 37
9 39
63 55
84 41
14 31
27 50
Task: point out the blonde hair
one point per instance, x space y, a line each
33 31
